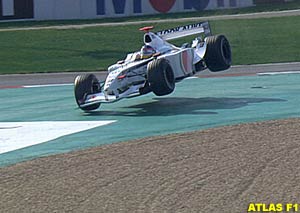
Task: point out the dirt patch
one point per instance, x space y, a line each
216 170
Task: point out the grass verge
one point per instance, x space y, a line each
253 41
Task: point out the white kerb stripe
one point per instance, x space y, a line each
17 135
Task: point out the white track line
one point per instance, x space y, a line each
47 85
278 73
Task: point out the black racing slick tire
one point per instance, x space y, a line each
218 53
161 77
85 85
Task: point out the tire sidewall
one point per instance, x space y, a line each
218 53
226 51
85 85
161 77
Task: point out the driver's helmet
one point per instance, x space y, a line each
147 51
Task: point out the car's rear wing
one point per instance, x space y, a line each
186 30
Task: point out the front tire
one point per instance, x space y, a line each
218 53
85 85
161 77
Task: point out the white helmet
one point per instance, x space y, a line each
147 51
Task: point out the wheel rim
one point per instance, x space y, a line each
95 87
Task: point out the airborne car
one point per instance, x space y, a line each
158 71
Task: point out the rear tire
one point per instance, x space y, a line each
218 53
161 77
86 85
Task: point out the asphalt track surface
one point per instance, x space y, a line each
17 80
221 169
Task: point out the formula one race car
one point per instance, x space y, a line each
157 66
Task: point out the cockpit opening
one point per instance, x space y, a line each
147 38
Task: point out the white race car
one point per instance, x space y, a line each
156 67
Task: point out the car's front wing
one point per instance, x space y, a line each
102 97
